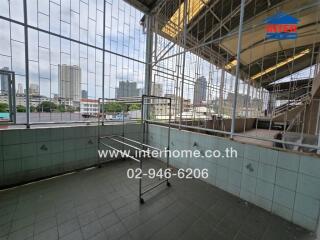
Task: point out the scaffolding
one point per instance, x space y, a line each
258 88
141 146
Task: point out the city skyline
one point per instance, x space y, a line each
69 82
128 89
200 91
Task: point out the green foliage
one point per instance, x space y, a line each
70 109
61 108
113 107
119 107
46 106
4 107
33 109
21 108
134 107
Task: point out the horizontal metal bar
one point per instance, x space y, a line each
127 144
240 135
128 99
123 153
63 122
69 39
103 137
152 96
153 187
230 34
143 144
186 126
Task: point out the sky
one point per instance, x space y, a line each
81 21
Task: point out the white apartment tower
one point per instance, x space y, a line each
69 82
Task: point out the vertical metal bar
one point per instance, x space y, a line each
234 110
318 125
169 133
10 97
143 142
149 47
99 133
26 60
185 10
14 97
103 60
246 106
148 66
221 92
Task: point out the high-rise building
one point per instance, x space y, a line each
156 89
4 82
69 82
200 91
84 94
20 88
127 89
34 89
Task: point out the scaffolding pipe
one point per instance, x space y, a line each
221 92
318 127
184 57
230 34
149 46
234 105
103 62
25 11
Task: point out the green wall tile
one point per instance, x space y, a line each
264 189
286 178
310 166
305 221
11 152
309 185
10 137
284 196
267 172
29 149
288 161
12 166
282 211
268 156
307 206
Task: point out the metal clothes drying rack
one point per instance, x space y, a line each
146 102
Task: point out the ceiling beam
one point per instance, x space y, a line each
137 4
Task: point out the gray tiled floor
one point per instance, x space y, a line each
102 204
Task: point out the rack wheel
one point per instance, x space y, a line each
99 166
168 184
141 200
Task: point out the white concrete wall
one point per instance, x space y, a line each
29 154
287 184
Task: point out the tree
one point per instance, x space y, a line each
4 107
134 106
61 108
70 109
46 106
113 107
33 109
21 108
